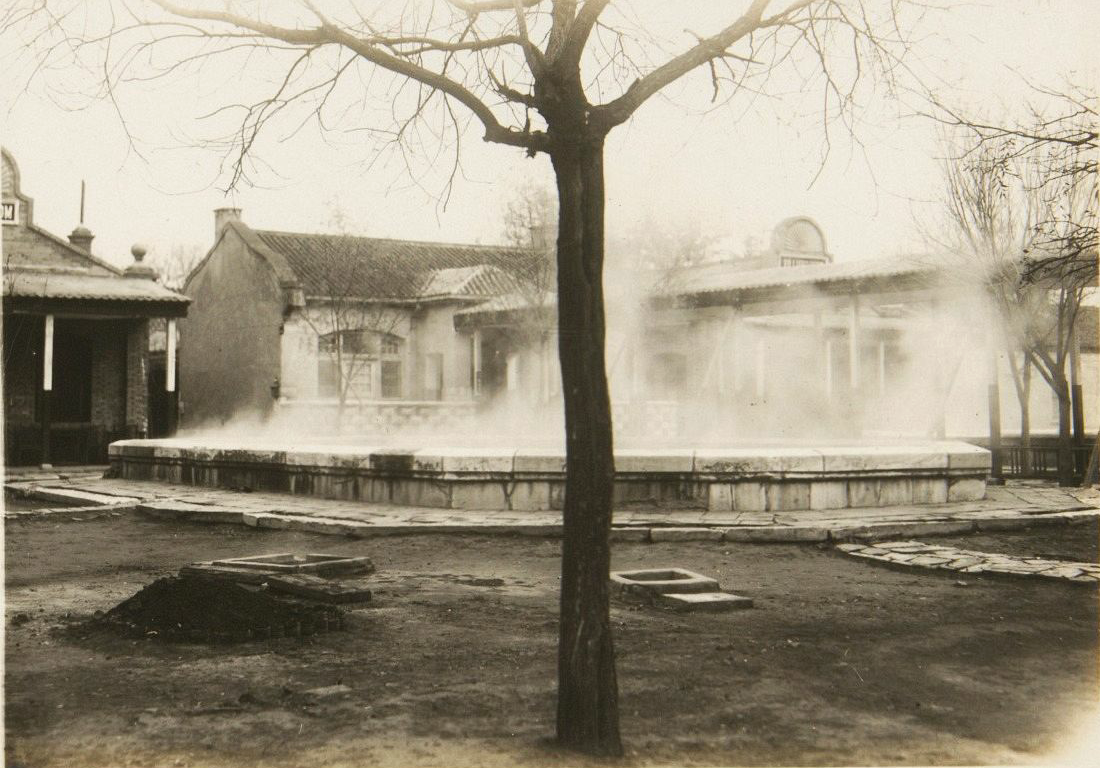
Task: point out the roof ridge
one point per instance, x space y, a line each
76 251
474 246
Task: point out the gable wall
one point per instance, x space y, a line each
229 343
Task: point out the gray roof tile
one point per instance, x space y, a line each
376 268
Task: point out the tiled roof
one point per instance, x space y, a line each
375 268
511 301
78 284
718 277
474 282
728 276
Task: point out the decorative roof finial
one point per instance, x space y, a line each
138 269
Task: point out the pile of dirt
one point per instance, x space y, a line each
217 610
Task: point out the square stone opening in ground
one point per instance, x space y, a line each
654 581
288 562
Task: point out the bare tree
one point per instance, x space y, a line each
988 231
356 339
176 264
1024 199
542 76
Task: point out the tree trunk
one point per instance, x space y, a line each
1065 433
1025 420
588 710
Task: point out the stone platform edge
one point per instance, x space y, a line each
719 463
736 479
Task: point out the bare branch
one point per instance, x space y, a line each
372 52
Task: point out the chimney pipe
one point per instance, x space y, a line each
223 216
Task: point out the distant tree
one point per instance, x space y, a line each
530 217
1023 204
1055 151
542 76
987 234
176 264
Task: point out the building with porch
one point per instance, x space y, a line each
336 332
75 339
785 344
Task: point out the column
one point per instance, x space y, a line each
47 387
475 358
736 337
882 367
853 343
137 353
170 376
759 367
855 403
545 369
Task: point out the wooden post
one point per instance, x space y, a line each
995 447
1077 403
47 388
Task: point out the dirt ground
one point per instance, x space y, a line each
840 663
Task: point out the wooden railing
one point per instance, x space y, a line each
1044 456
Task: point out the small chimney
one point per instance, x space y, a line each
223 216
137 269
82 238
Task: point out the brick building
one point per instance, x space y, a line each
334 328
75 339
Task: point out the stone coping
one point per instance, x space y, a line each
933 457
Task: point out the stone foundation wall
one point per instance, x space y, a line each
458 478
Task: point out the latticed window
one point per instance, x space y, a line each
364 363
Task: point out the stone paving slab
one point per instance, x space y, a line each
919 554
78 496
711 602
1005 508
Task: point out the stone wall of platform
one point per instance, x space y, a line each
778 479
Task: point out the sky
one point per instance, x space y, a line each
732 171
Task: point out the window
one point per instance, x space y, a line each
363 363
798 261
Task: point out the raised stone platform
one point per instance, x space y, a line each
716 479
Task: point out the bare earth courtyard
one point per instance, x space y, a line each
840 662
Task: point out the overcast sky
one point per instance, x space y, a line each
735 171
